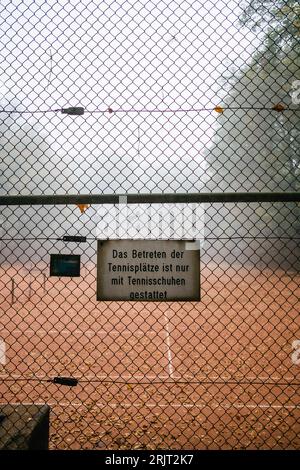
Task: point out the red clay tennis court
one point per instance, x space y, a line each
214 374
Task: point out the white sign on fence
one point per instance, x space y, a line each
148 270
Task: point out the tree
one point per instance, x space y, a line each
257 149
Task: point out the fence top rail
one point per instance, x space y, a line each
144 198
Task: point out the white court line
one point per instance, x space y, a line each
168 342
2 352
88 333
160 405
76 332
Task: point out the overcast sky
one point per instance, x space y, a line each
118 54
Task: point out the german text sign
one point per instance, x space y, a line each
148 270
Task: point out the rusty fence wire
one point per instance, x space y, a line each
219 373
115 114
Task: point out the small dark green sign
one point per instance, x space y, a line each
65 265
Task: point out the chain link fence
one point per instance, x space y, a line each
175 112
